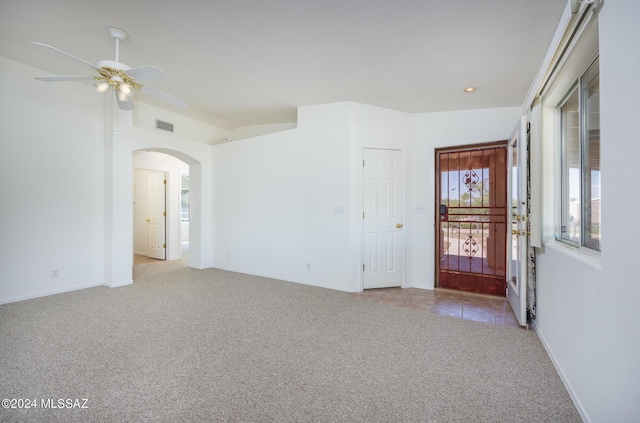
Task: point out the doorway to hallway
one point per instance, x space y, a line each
161 191
471 218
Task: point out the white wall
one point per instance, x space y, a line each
51 165
250 131
274 201
586 304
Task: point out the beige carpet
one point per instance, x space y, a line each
207 345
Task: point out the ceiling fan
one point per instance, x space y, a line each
112 74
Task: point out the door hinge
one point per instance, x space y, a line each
363 267
528 127
164 214
164 182
363 163
363 215
164 245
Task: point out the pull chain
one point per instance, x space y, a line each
117 128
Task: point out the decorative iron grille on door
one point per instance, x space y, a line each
472 218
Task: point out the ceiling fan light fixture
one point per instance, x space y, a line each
125 88
123 97
102 86
469 89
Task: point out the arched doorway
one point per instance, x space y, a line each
118 232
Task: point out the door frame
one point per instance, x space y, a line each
464 147
360 209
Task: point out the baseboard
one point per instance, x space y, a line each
47 293
116 285
563 378
280 278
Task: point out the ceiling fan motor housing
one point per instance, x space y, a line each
113 65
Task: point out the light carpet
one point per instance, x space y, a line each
187 345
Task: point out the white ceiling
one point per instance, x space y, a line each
255 61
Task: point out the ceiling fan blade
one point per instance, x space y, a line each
65 78
146 72
69 56
164 96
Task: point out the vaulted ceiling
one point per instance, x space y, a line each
255 61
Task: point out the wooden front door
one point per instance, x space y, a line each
471 214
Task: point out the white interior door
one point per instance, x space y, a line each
518 242
157 214
383 218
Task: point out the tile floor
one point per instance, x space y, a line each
463 305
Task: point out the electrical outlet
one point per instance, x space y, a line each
55 273
308 266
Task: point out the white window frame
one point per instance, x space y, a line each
579 88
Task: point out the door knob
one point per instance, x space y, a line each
398 225
148 220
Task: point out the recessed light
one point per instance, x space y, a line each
469 89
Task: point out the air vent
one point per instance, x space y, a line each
165 126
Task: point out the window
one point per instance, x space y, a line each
580 186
